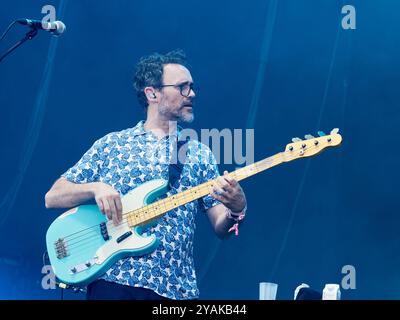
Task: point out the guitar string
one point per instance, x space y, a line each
187 198
142 212
82 246
264 163
141 215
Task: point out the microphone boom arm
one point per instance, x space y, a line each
28 36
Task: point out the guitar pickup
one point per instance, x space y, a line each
124 236
104 231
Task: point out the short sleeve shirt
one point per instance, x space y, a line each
125 160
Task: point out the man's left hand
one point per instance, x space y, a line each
228 191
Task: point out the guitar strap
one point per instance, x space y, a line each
175 165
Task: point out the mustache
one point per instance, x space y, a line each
188 103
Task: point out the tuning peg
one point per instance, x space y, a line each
296 139
309 136
335 131
321 133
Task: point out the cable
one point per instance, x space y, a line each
8 29
60 285
45 257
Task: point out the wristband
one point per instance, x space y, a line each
237 216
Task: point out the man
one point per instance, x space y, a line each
123 160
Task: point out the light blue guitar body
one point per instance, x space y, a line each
82 244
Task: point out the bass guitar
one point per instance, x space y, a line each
82 244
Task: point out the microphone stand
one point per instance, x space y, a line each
28 36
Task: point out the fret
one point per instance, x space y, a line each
157 209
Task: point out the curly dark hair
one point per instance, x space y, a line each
149 71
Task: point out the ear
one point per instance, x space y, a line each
150 93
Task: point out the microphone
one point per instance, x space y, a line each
55 28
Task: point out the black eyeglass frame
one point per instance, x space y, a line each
192 87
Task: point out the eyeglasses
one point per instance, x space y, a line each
184 88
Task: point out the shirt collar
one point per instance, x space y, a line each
139 129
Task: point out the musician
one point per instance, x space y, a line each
121 161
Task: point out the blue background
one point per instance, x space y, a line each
283 67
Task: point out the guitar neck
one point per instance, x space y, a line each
152 211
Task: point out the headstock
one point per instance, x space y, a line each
312 145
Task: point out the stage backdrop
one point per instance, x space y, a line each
284 68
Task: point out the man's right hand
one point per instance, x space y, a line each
108 201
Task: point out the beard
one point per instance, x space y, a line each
182 114
186 115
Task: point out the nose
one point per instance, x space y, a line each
192 94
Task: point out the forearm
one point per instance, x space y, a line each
223 225
221 222
226 216
65 194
